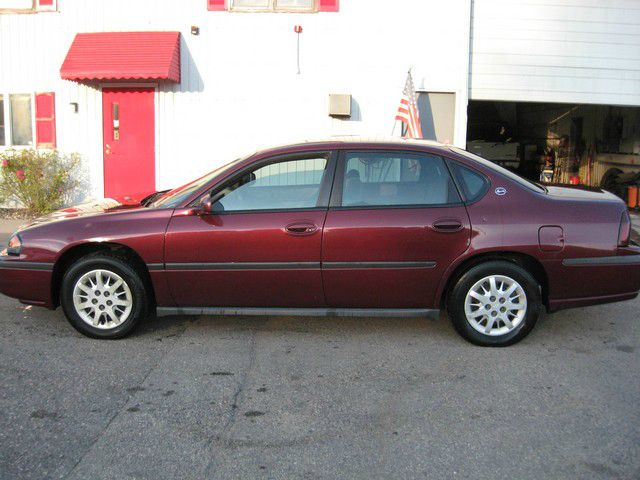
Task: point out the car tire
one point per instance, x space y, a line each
495 304
103 297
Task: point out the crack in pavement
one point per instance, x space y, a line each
233 409
132 393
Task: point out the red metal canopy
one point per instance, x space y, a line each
123 56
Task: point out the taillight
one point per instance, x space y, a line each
624 234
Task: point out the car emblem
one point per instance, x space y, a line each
501 191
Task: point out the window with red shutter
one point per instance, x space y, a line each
328 5
298 6
45 120
216 5
46 5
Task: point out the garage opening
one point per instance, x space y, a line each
594 145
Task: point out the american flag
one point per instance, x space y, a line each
408 110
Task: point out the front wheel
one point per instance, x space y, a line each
103 297
495 304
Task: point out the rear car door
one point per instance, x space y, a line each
261 245
395 223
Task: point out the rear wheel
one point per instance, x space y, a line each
103 297
495 304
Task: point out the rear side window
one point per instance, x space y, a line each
396 178
473 184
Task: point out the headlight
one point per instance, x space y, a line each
15 245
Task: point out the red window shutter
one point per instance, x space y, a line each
216 5
46 120
329 5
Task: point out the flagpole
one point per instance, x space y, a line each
395 121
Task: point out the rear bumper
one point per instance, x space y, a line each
555 305
579 282
29 282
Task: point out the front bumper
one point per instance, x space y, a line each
29 282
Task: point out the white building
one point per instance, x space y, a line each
242 83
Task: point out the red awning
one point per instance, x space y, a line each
123 56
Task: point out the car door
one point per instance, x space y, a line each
261 244
395 223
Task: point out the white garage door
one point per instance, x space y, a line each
573 51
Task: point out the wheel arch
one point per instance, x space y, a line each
523 260
74 253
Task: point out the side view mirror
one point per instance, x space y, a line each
209 205
206 206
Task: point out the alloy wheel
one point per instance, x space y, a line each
102 299
495 305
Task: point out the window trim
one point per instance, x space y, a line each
273 8
487 181
324 194
8 129
34 8
335 202
499 170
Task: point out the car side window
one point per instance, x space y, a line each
396 178
289 184
473 184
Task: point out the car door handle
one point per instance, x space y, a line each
447 226
301 229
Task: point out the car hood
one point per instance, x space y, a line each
580 193
95 207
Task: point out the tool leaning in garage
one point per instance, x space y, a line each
546 174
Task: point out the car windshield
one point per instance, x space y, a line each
503 171
175 197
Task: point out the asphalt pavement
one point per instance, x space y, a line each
288 398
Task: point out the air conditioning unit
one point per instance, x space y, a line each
339 105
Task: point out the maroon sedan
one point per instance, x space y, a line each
334 228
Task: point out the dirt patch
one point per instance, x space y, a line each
16 214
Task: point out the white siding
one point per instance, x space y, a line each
239 88
570 51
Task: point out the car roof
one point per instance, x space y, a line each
351 141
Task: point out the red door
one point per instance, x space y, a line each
261 246
129 141
245 260
396 224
